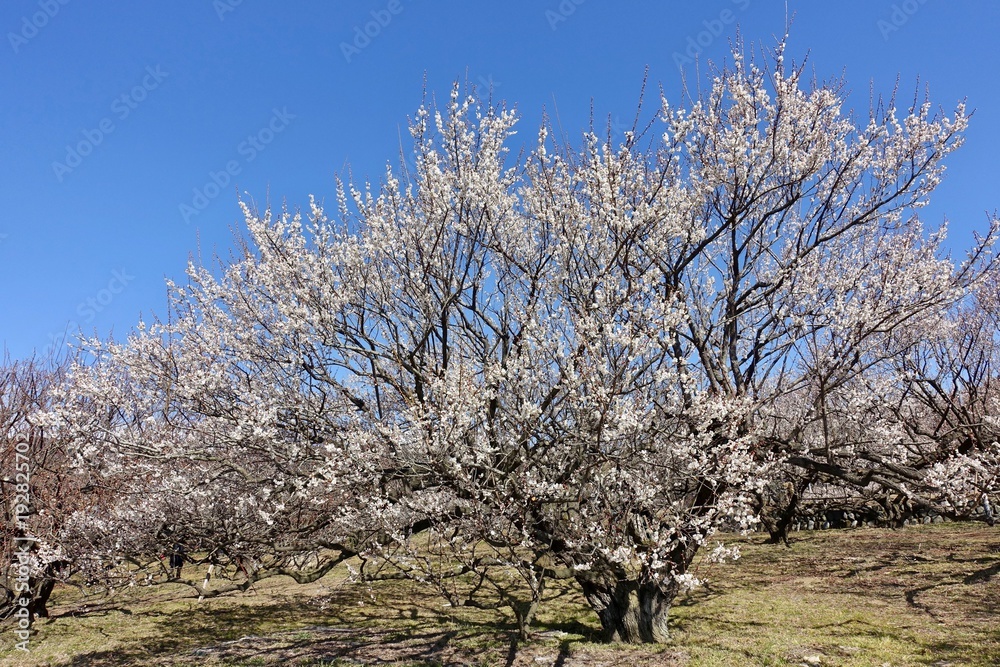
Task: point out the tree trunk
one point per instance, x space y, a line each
779 526
41 591
630 611
778 531
6 602
988 510
524 613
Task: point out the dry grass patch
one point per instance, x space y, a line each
926 595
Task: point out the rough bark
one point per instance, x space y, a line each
41 592
630 611
779 521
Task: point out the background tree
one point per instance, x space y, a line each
39 488
950 404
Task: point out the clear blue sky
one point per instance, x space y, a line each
161 95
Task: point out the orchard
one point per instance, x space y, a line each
510 365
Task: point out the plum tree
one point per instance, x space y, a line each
566 362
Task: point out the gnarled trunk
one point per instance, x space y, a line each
630 611
41 590
779 523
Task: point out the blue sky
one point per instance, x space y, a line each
116 116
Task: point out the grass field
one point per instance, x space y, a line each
924 595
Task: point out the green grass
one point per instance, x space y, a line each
925 595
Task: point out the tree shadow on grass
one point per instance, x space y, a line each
587 633
184 629
92 612
856 626
406 627
951 653
983 575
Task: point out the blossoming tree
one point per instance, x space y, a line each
568 362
